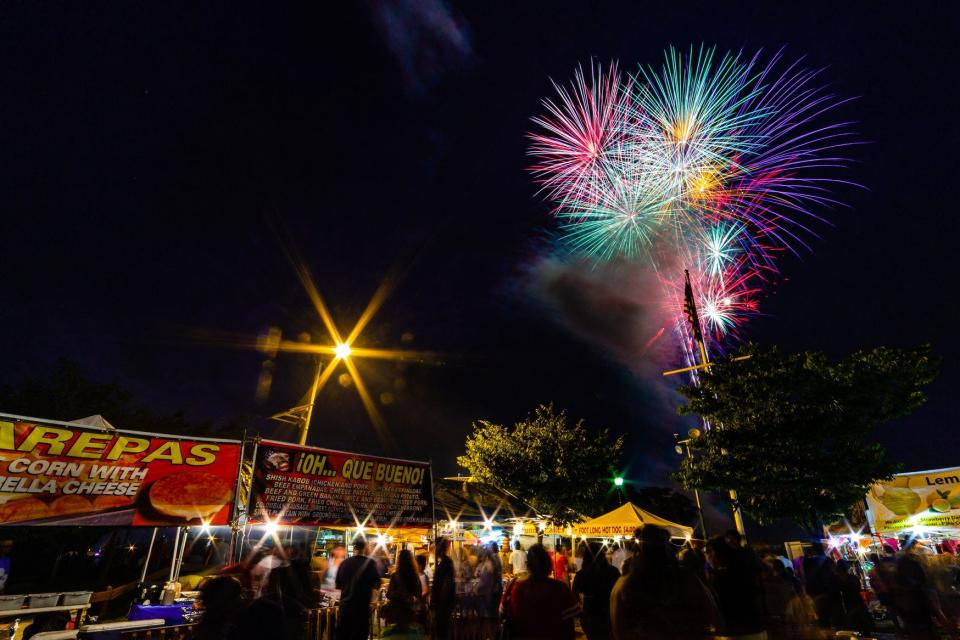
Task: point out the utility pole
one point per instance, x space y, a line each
690 309
684 445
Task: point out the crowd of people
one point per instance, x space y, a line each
647 588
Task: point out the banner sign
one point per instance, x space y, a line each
924 499
320 487
606 530
54 473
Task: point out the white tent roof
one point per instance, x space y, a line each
95 420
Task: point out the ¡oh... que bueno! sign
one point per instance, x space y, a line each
56 474
322 487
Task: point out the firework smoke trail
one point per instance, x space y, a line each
710 163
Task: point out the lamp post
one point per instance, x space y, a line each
684 446
618 483
342 352
303 414
305 427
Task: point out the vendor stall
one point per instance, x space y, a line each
624 520
920 505
88 474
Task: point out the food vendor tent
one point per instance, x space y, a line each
624 520
927 501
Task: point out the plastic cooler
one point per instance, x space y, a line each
76 597
38 600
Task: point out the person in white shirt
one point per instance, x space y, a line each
620 555
518 559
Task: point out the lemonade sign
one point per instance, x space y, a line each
922 499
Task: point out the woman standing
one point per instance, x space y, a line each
405 601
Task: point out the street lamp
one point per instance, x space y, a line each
618 483
339 350
683 446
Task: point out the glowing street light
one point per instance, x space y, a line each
342 351
618 481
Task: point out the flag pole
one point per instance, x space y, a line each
690 306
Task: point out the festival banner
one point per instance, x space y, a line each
55 473
928 499
320 487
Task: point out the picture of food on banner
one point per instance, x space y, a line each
277 461
52 475
908 500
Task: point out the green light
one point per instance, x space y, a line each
618 481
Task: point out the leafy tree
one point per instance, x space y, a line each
65 393
793 431
559 469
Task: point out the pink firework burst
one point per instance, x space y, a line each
580 134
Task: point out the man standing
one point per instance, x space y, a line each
444 594
518 560
358 581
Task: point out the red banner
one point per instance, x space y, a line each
56 474
321 487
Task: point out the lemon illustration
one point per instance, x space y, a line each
933 496
901 501
940 505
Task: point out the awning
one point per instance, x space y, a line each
467 501
626 519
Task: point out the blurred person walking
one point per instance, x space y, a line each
444 591
735 580
657 599
540 607
405 602
594 583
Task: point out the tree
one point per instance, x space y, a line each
65 393
558 468
792 433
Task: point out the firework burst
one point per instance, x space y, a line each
581 131
711 163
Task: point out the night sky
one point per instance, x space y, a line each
155 155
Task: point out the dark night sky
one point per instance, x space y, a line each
149 150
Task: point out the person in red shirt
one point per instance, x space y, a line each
541 608
561 565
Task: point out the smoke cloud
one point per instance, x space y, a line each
426 38
616 306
